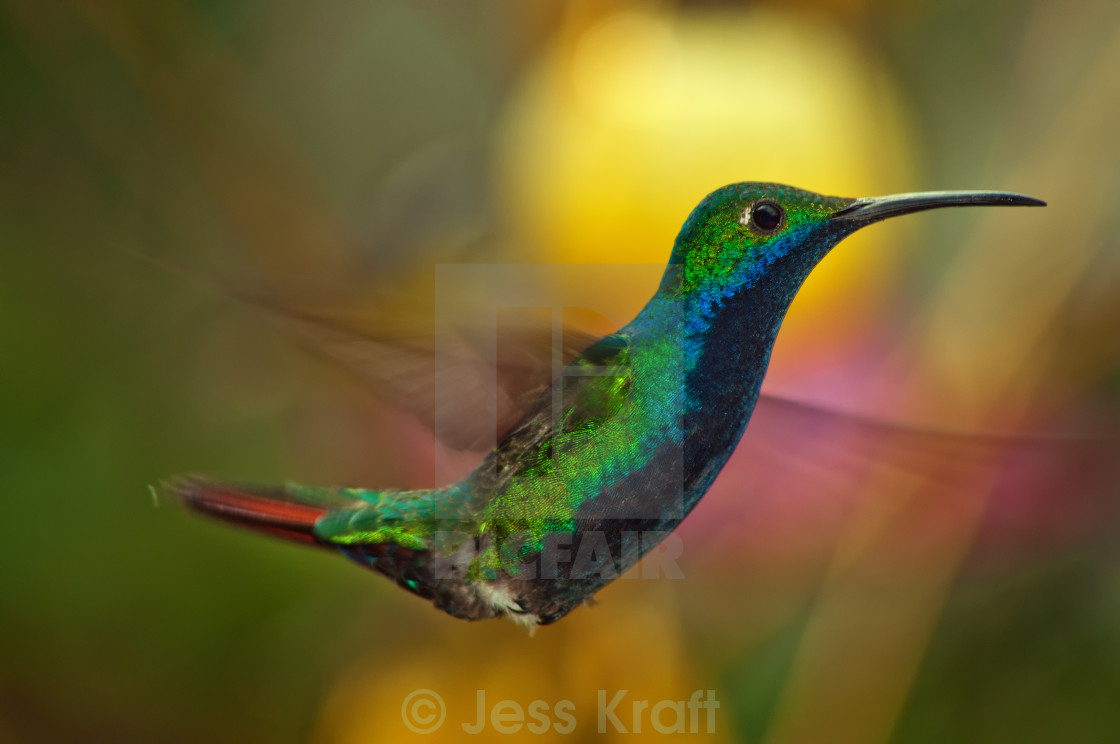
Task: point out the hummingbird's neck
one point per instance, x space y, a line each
725 342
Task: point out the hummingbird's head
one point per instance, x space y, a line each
744 233
770 236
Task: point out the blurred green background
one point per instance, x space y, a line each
328 151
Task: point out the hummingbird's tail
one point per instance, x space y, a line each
285 511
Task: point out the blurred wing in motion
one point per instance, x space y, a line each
487 379
801 472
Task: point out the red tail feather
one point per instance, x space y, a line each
264 509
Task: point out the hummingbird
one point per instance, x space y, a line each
595 469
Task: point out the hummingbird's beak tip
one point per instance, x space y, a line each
1009 199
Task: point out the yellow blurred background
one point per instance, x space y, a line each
337 154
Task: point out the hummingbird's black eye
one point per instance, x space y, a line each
764 216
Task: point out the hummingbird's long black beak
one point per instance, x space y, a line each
865 211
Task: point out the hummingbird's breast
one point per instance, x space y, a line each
619 451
